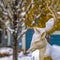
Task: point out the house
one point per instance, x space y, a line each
55 38
25 41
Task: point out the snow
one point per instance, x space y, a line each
21 56
6 50
55 54
58 12
23 14
7 24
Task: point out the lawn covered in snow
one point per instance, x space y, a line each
55 50
21 56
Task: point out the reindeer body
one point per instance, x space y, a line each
41 44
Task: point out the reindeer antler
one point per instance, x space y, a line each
52 11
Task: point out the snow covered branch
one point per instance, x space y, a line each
6 11
8 27
22 33
6 24
2 21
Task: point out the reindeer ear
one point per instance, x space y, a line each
36 30
43 35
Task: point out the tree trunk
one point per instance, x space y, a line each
15 54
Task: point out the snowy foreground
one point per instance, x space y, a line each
21 56
32 56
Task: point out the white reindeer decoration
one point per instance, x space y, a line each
39 41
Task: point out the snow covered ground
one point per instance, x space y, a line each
34 56
6 50
21 56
